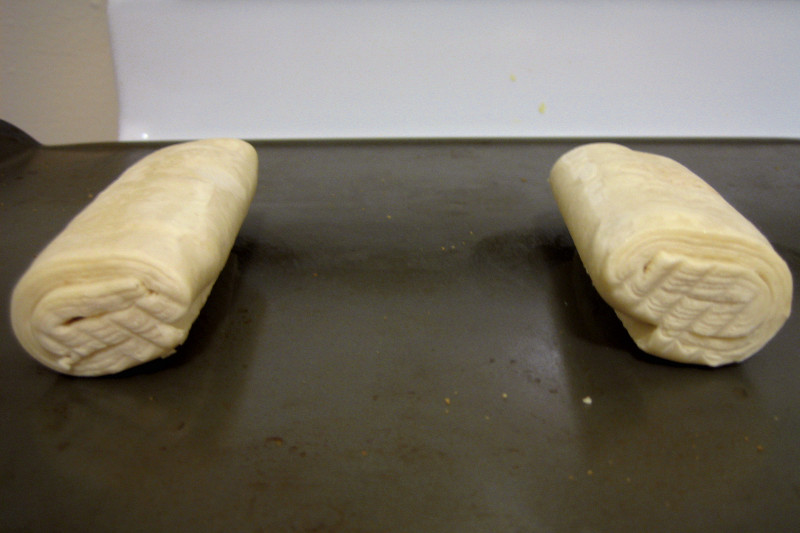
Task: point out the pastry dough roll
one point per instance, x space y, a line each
691 279
123 282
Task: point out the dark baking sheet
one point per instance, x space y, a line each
402 340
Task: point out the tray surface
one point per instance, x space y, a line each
403 339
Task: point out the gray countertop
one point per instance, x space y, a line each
402 340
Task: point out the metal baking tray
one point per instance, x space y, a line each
403 339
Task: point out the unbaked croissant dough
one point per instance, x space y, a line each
124 281
690 278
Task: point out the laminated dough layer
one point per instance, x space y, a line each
691 279
126 278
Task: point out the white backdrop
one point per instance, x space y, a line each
286 69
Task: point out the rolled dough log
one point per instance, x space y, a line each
690 278
124 281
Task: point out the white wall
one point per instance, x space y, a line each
465 68
399 68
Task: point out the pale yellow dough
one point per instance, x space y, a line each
124 281
690 278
